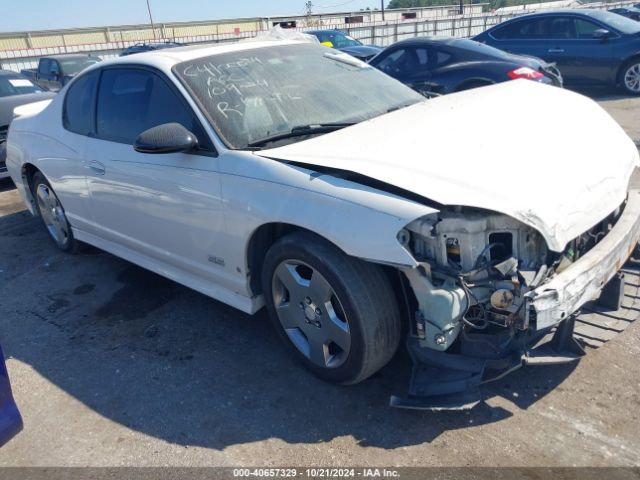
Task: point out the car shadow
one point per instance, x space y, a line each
166 361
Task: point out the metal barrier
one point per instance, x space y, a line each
24 50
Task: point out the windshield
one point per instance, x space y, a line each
256 94
76 65
620 23
15 85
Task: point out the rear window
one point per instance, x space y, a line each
480 48
523 29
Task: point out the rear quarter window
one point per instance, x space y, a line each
79 104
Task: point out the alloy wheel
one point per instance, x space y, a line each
53 215
632 78
311 313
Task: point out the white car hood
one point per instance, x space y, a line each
551 158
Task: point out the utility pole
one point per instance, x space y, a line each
153 28
382 5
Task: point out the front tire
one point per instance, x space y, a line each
52 214
630 77
338 314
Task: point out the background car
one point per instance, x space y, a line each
444 65
589 47
15 90
629 12
55 71
10 420
148 47
345 43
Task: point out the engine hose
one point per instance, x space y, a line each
469 296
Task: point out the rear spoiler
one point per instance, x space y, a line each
31 108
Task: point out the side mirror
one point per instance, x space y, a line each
601 34
166 138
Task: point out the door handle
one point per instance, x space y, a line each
556 50
97 167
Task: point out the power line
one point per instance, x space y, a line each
153 28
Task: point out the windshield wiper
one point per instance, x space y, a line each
301 131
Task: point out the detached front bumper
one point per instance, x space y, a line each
583 281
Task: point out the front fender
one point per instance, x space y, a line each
362 221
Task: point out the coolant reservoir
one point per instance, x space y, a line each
441 306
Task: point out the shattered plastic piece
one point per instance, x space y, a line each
508 267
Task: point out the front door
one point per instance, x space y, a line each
581 58
165 208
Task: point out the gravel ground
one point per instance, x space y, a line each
112 365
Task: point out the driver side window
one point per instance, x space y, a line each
387 63
585 29
402 62
131 101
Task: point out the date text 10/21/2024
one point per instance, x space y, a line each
317 472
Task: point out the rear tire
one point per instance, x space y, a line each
338 314
52 214
629 78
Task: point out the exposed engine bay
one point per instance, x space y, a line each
477 272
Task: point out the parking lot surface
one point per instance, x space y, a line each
112 365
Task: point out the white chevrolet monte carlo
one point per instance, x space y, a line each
288 175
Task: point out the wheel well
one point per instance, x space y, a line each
268 234
28 171
635 57
261 241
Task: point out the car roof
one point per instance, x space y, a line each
587 12
167 57
435 40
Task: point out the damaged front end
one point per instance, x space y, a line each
489 297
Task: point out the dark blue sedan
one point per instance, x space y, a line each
10 420
343 42
590 47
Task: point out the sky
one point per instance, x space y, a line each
21 15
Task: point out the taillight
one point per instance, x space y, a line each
525 72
